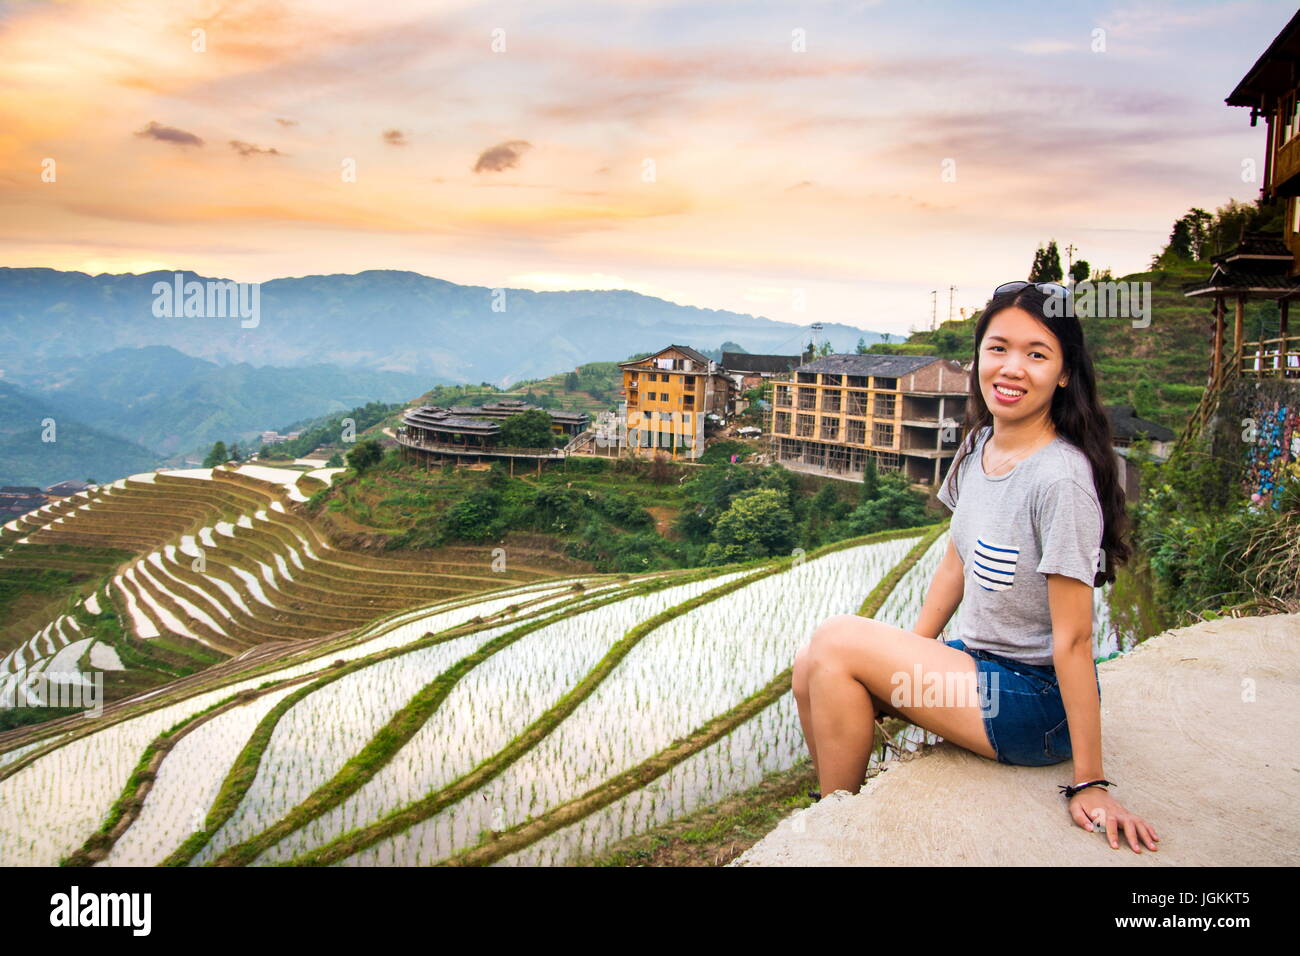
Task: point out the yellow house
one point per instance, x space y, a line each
666 397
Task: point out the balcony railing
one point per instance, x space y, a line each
410 441
1264 358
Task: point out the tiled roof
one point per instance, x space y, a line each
691 353
1242 280
686 350
431 416
1256 244
746 362
1272 72
886 366
1124 423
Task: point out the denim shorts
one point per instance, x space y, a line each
1025 718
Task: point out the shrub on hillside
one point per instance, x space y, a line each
1207 546
895 506
723 450
365 455
622 509
557 510
587 466
474 517
757 525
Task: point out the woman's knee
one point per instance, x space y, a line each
830 635
799 679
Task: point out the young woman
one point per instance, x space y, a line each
1038 522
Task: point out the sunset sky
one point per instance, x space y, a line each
780 174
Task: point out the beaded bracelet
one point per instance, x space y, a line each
1069 791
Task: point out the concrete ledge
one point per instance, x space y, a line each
1217 775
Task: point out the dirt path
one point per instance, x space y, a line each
1198 734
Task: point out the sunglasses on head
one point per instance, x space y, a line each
1047 288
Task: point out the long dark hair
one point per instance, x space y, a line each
1076 413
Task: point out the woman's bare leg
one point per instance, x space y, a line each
852 665
803 701
800 685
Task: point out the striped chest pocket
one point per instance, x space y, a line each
994 565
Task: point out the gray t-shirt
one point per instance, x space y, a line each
1011 531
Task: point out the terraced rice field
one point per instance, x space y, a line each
220 561
417 722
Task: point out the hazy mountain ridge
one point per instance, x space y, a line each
380 320
173 403
78 451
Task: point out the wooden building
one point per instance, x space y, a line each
749 370
1125 428
1261 266
905 411
669 397
562 422
472 432
1271 89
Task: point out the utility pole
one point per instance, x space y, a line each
951 290
934 306
1069 264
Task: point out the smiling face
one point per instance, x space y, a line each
1023 356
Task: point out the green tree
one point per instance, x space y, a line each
336 461
218 456
1198 225
1180 242
1047 264
757 525
557 510
530 429
713 489
474 517
1229 221
950 343
896 506
234 452
862 345
1080 270
571 382
364 455
824 500
870 480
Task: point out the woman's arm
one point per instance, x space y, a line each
1070 601
945 594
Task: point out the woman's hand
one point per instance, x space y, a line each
1095 807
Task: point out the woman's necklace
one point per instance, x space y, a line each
1006 461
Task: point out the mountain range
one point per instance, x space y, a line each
139 385
377 320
